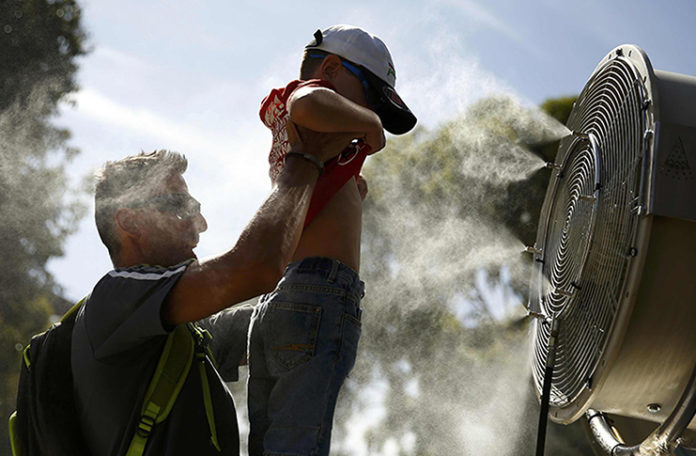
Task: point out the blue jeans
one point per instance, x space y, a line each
303 340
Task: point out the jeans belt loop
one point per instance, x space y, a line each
334 271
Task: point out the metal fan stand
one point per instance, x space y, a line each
546 391
662 442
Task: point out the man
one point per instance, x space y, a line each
150 224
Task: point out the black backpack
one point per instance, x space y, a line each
46 420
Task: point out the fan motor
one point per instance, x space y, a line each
616 246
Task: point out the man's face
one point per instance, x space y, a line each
170 224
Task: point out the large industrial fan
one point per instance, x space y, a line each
615 258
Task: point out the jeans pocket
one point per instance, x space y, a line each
292 334
350 336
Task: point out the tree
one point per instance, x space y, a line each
40 41
442 233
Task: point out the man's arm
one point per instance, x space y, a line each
265 247
323 110
229 329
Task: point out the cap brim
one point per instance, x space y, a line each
392 111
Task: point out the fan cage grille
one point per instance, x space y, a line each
587 243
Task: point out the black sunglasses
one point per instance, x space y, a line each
181 205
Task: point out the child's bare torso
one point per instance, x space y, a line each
335 231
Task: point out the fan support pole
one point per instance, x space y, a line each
664 440
546 391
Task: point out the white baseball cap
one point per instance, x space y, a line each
371 55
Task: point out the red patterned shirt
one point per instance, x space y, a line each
274 114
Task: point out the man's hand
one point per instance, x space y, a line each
362 187
324 146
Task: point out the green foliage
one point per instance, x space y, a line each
559 108
442 225
524 198
39 42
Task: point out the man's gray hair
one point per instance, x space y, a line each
125 182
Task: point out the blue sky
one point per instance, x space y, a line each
189 76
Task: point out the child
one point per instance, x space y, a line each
304 335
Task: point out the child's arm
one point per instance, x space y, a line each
323 110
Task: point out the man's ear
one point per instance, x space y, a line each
126 221
330 67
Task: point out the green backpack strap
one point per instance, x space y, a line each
14 439
202 338
73 309
170 374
